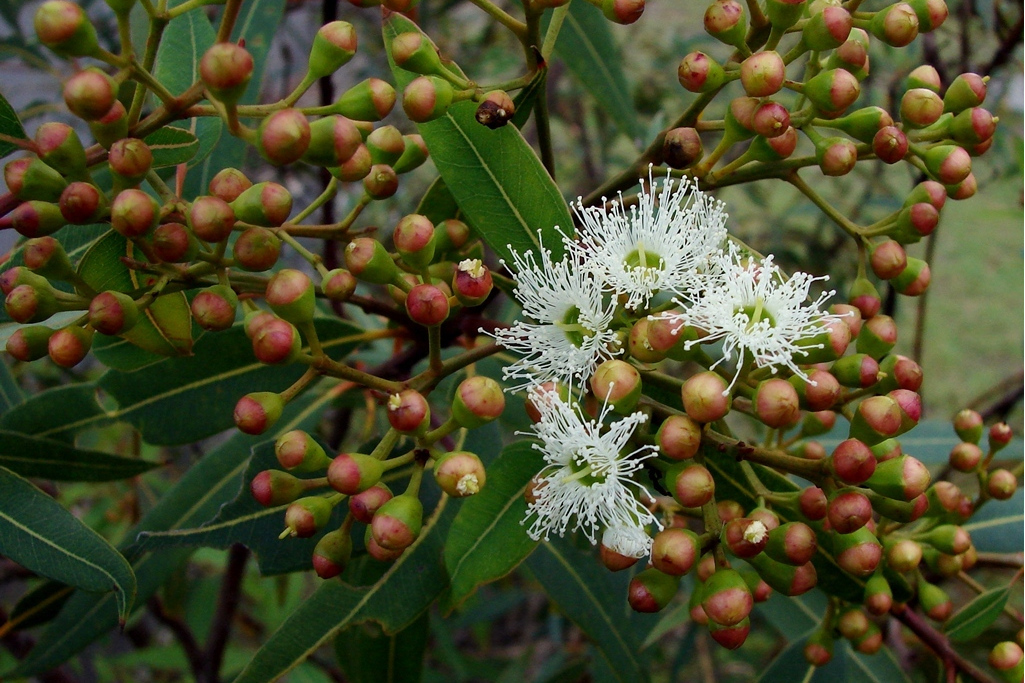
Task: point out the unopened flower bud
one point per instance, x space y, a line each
173 243
651 590
30 178
890 144
471 282
617 383
332 553
876 418
681 147
36 219
964 189
256 249
836 156
820 394
740 117
272 488
113 313
968 425
775 148
925 76
414 240
385 145
276 342
284 136
813 503
783 14
225 70
896 25
409 412
130 160
427 98
931 14
338 285
762 74
888 259
864 295
382 182
397 523
849 510
914 279
934 601
863 124
29 342
257 412
777 404
705 397
700 73
1001 484
370 100
920 107
459 473
229 183
828 28
427 305
69 346
211 219
858 552
1007 659
973 126
966 91
477 401
265 204
90 94
46 256
818 649
856 371
30 304
691 484
674 551
414 155
110 127
949 164
771 120
64 28
298 451
306 516
365 505
291 296
793 543
730 637
355 168
134 213
724 21
679 437
878 595
59 146
1000 435
352 473
622 11
495 110
214 307
852 623
833 90
333 46
726 598
878 336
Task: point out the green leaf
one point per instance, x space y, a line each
32 456
243 520
793 617
997 526
166 327
438 204
40 605
585 592
208 484
368 655
50 410
882 667
488 539
172 146
494 175
402 593
39 534
186 38
790 666
9 125
589 49
970 621
10 393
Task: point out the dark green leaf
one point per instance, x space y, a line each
588 47
971 620
488 539
494 175
793 617
594 600
790 666
997 526
197 496
437 203
401 594
40 605
527 97
32 456
9 125
172 146
10 393
184 41
368 655
39 534
56 411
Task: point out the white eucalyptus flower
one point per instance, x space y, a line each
570 333
631 541
659 244
586 483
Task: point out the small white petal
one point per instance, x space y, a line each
755 532
630 541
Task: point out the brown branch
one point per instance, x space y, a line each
938 643
181 631
227 605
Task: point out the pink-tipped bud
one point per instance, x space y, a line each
681 147
849 511
272 488
679 437
890 144
914 279
352 473
1001 484
130 160
478 400
793 543
409 412
64 28
674 551
896 25
1000 435
852 461
265 204
857 371
617 383
705 397
386 145
770 120
382 182
724 21
332 553
934 601
173 243
966 91
414 240
366 504
949 164
290 294
459 473
622 11
878 595
134 213
59 146
691 484
427 305
113 313
925 76
888 259
777 404
256 250
29 342
214 307
878 336
257 412
368 260
813 503
818 649
427 98
276 342
225 70
828 28
968 425
700 73
920 107
858 552
1007 658
651 590
833 90
211 219
333 46
931 14
30 178
69 346
112 126
90 94
973 126
836 156
821 393
875 419
298 451
306 516
397 523
762 74
338 285
228 184
904 555
284 136
726 598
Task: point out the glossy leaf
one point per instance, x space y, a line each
40 535
40 605
368 655
243 520
488 539
172 146
32 456
997 526
973 619
585 592
438 204
402 593
209 483
494 175
790 666
53 410
588 48
10 124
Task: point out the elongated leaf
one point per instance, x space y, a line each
172 146
39 534
368 655
586 593
208 484
50 410
32 456
488 539
589 49
9 125
395 600
997 526
790 666
882 667
10 393
971 620
243 520
40 605
494 175
182 45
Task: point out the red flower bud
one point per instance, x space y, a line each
69 346
651 590
813 503
290 294
705 397
771 120
276 342
931 14
744 537
58 145
173 243
968 425
397 523
762 74
459 473
681 147
477 401
818 649
730 637
211 219
90 94
130 160
691 484
113 313
890 144
352 473
849 511
214 307
284 136
679 437
256 249
257 412
36 219
332 553
427 305
225 69
382 182
306 516
472 282
925 76
1006 658
878 336
1001 484
858 553
622 11
298 451
934 600
365 505
229 183
836 156
726 598
700 73
888 259
409 411
264 204
674 551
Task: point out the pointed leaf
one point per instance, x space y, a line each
402 593
32 456
367 655
172 146
585 592
973 619
208 484
51 410
488 539
494 175
39 534
997 526
9 125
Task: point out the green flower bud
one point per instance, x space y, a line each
914 279
273 488
856 371
298 451
36 219
369 261
214 307
90 94
427 98
783 14
63 27
785 578
370 100
705 398
651 590
833 90
700 73
113 313
934 600
283 137
968 425
58 145
333 47
130 160
793 543
352 473
306 516
257 412
111 127
896 25
332 554
29 343
827 29
477 401
931 14
878 595
818 649
265 204
730 637
949 539
134 213
398 522
858 553
291 296
674 551
966 91
256 250
413 51
724 21
225 70
333 141
29 178
414 154
862 124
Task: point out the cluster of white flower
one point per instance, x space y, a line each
671 241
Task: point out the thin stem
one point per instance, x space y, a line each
228 19
979 588
227 604
313 259
157 25
434 347
333 368
161 188
386 444
502 17
190 5
939 644
826 208
429 378
809 469
300 384
558 16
